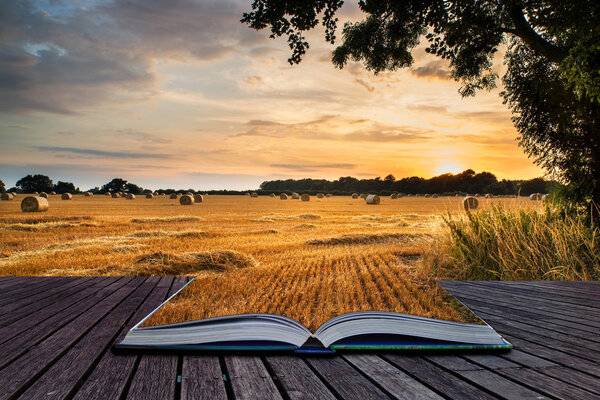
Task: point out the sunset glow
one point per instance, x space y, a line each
190 98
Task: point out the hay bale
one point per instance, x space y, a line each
363 195
88 194
355 195
535 196
272 195
305 197
393 196
477 195
328 195
7 196
44 195
130 196
470 203
186 200
372 199
66 196
53 193
427 195
35 193
173 196
198 198
435 196
254 195
115 195
489 196
107 194
283 196
320 195
34 204
295 196
149 195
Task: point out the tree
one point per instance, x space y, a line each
35 183
552 84
133 188
116 185
2 187
65 187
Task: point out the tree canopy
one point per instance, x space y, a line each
553 80
2 187
35 183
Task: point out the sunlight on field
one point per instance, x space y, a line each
264 247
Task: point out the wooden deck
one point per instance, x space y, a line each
56 336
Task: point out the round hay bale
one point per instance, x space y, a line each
88 194
198 198
149 195
305 197
35 193
320 195
295 196
254 195
372 199
535 196
329 195
363 195
7 196
44 195
477 195
115 195
355 195
34 204
393 196
470 203
186 200
435 196
130 196
173 196
66 196
107 194
489 196
52 193
283 196
272 195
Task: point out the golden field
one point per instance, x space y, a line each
307 260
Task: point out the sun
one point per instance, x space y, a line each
449 167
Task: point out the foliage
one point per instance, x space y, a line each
466 182
65 187
35 183
2 187
553 80
516 245
121 185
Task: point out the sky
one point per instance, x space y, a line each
180 94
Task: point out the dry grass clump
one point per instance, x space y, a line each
43 219
515 245
168 264
47 226
369 239
150 220
304 226
308 216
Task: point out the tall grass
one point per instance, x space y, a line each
501 244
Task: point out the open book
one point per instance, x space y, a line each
363 330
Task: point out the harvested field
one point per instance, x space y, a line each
304 255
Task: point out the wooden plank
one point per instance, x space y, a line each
527 360
151 382
161 369
297 379
16 284
436 378
501 386
114 370
250 379
35 318
201 378
394 381
491 361
345 380
550 386
579 379
26 368
26 290
10 314
60 379
581 294
29 338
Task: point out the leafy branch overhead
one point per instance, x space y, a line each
552 83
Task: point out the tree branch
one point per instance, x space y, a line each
523 30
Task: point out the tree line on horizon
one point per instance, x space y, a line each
465 182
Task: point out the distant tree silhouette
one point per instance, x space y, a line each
2 187
35 183
65 187
115 185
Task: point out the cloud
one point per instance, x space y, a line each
312 167
365 84
433 69
143 137
388 134
67 57
99 153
